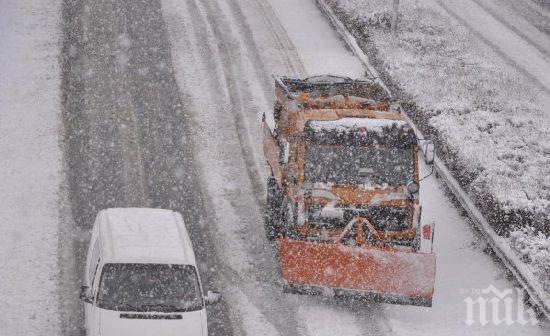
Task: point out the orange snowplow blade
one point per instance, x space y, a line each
387 275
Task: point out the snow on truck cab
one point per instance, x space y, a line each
343 195
141 277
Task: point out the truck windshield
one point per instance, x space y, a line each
149 287
358 165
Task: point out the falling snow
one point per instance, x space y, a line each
159 104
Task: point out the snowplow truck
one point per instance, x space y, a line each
343 194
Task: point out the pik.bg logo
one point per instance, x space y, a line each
491 305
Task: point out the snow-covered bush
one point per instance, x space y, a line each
378 19
533 247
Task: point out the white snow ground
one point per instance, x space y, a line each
533 247
462 269
30 166
317 44
237 219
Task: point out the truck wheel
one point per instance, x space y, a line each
273 209
289 289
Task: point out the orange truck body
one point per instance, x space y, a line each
335 236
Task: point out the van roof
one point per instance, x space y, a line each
140 235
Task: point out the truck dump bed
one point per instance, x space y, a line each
328 98
332 86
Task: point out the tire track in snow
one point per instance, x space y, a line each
236 89
223 81
292 64
287 50
543 49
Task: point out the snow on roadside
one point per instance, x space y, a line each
533 247
463 269
30 166
492 119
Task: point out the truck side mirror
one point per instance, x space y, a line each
284 152
413 188
429 152
212 298
86 294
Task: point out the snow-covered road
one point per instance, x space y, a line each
30 166
162 108
223 54
510 34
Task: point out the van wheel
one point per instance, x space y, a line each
273 209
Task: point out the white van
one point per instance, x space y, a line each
141 277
